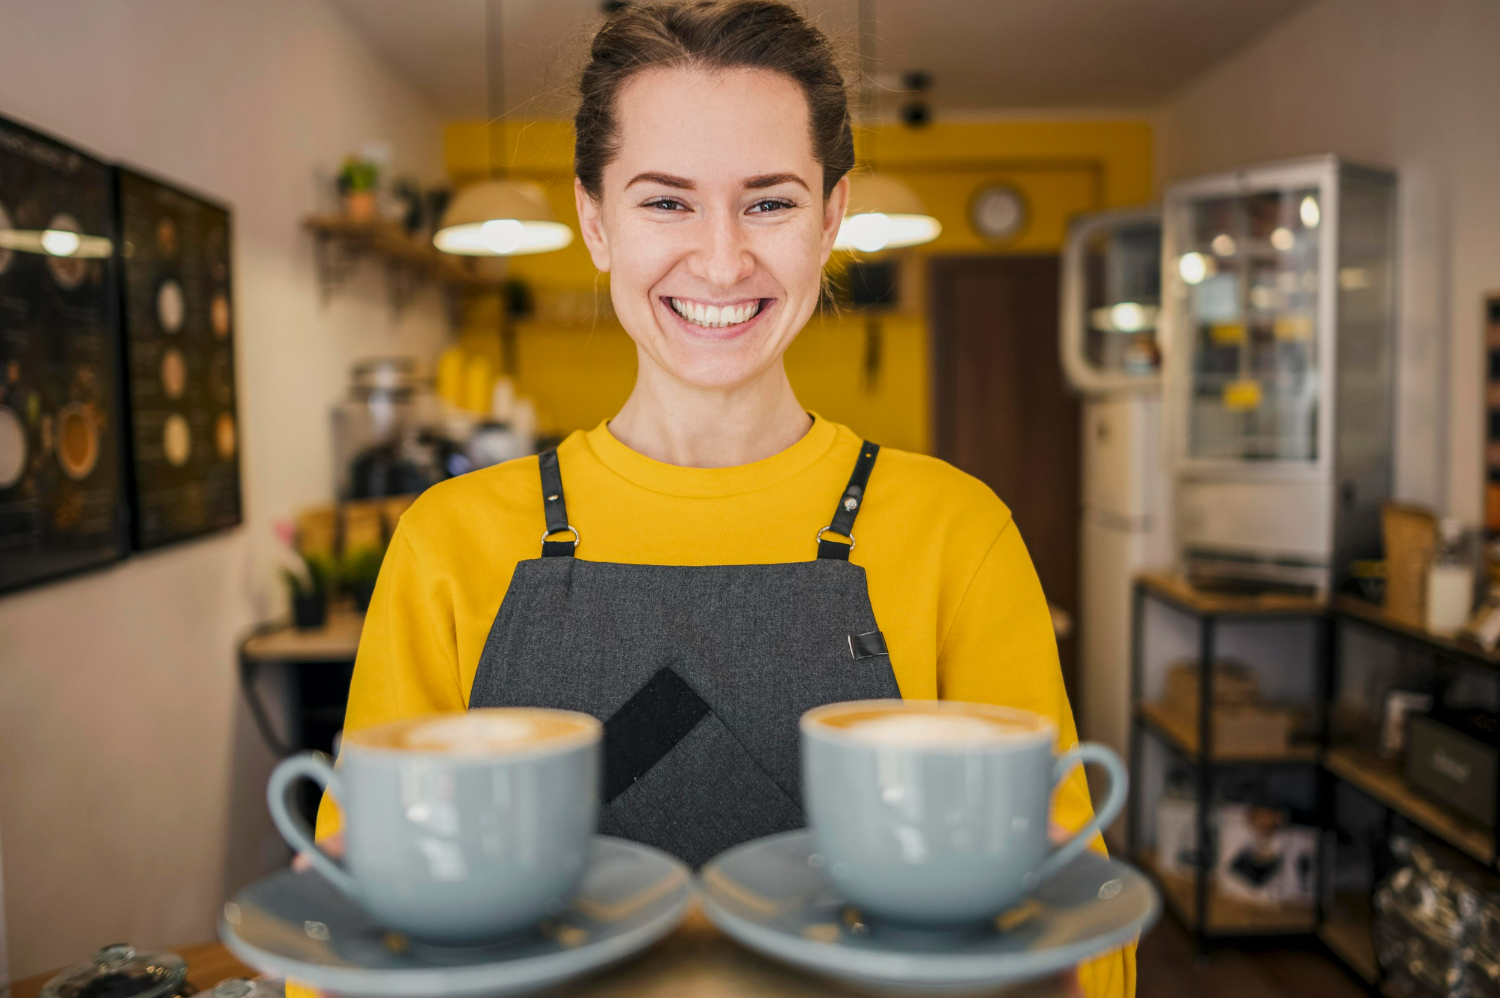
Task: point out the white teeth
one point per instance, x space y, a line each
714 316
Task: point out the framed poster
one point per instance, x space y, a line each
178 311
61 464
1492 414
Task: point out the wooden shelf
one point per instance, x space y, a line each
1382 781
1227 915
1176 590
1182 732
1346 931
1365 612
391 243
335 641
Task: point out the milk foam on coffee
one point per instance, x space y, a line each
478 732
932 726
934 730
473 733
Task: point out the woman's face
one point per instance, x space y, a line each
712 223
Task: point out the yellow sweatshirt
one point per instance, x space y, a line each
952 586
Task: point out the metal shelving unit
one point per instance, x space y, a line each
1346 928
1341 921
1207 914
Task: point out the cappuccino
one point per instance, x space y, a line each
459 829
490 731
934 813
929 724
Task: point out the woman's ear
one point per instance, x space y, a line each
833 213
591 225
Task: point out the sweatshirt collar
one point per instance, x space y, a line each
704 483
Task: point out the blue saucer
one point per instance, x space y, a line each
298 925
771 896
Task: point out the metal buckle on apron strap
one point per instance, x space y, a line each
577 538
828 529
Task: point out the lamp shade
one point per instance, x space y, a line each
884 213
501 218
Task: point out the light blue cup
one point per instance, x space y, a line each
933 836
454 847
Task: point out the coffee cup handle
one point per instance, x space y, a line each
1119 786
293 827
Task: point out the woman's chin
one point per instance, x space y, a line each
717 361
714 369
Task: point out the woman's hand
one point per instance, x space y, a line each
1068 984
333 845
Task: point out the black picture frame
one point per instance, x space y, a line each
62 459
177 331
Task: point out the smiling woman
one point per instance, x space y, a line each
687 571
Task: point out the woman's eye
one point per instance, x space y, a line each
666 204
767 205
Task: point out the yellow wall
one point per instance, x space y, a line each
579 367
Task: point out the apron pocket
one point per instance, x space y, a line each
700 798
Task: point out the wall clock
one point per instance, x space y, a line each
998 212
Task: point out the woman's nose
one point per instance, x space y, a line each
724 258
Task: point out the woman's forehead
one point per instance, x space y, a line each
713 125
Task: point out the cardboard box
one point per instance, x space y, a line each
1233 683
1251 729
1410 534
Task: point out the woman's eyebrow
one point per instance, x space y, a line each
772 179
665 179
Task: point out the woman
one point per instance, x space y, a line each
688 571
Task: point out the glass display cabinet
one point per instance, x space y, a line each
1111 301
1278 330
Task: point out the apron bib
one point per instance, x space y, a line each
699 673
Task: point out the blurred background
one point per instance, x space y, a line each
1205 291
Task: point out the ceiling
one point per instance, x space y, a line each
983 55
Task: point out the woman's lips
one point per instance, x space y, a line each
719 321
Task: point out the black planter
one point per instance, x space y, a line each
309 612
362 591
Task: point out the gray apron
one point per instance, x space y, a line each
699 673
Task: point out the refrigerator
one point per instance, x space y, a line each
1111 300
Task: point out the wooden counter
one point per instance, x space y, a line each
207 965
695 961
336 641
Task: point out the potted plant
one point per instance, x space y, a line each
358 572
308 584
357 181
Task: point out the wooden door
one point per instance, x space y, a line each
1003 412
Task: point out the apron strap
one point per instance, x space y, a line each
848 507
555 507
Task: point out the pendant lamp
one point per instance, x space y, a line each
499 216
883 213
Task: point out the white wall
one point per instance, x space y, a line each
130 782
1414 86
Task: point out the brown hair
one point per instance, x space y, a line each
713 35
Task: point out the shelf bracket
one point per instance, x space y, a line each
403 282
336 260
